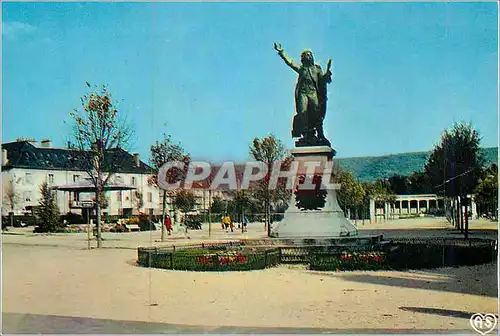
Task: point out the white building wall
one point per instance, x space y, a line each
27 182
127 200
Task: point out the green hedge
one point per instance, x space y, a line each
208 259
349 261
387 256
404 256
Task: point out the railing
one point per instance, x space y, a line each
397 254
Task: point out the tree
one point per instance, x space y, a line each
269 150
399 184
11 198
48 212
419 183
99 138
351 193
184 200
160 153
240 202
381 191
218 205
138 199
104 200
486 192
454 167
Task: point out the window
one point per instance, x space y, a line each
119 196
27 196
28 178
76 178
133 180
150 196
51 178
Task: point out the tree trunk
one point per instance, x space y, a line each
209 213
448 211
98 214
268 212
466 218
363 215
11 215
460 215
163 209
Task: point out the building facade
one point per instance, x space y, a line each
27 164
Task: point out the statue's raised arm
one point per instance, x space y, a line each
327 76
288 60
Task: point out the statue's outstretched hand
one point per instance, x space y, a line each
278 47
328 64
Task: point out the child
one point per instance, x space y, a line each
244 224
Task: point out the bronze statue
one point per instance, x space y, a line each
310 98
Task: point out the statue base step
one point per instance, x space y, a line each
314 224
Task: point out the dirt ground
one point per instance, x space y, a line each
43 276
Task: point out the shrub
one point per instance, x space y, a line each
48 212
145 224
73 218
208 259
348 261
393 255
28 220
133 220
193 222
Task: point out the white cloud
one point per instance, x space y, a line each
15 29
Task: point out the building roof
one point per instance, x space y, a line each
23 154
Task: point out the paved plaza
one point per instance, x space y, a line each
420 227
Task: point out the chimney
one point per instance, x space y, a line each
46 143
136 160
5 160
30 140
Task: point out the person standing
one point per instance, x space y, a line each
168 224
244 222
226 220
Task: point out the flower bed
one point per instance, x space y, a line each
403 256
348 261
385 256
209 259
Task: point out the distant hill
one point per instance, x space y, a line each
370 168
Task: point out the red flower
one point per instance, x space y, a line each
223 260
241 258
346 256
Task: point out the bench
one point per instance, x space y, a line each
133 227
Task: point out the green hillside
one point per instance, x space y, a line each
371 168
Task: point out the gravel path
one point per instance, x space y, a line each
105 284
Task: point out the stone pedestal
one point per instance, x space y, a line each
327 219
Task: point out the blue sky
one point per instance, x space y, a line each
206 73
